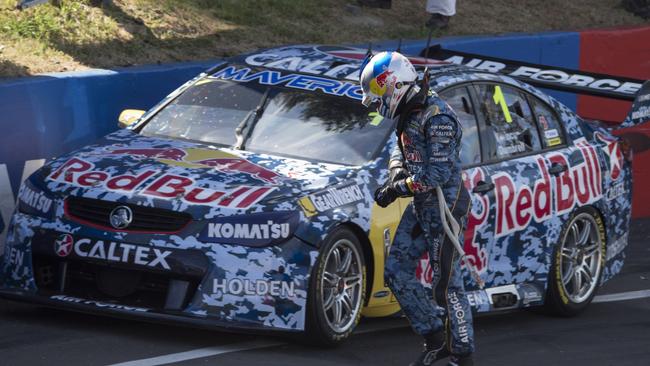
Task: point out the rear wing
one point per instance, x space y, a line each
560 79
544 76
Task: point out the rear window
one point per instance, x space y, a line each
549 124
509 123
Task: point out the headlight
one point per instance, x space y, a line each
254 230
33 201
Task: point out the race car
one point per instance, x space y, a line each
244 200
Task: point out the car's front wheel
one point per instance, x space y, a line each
578 263
337 289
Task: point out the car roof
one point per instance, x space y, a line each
334 62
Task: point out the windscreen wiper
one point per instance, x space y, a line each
243 136
242 133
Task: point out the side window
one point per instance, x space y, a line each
509 124
549 124
460 102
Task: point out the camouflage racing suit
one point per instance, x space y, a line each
429 150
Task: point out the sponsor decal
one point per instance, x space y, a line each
476 254
150 183
112 252
255 229
16 258
617 246
410 151
330 199
203 159
243 286
554 141
642 113
121 217
518 205
542 121
98 304
296 81
613 152
63 245
615 191
35 200
477 299
536 74
458 312
378 85
549 134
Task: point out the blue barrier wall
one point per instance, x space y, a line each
45 116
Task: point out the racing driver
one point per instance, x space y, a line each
426 157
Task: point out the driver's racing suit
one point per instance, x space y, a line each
429 145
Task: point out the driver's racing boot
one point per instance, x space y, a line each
435 348
461 360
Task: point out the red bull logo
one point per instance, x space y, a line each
203 159
613 151
378 85
477 218
81 173
516 205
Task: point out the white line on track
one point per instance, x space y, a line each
246 346
622 296
199 353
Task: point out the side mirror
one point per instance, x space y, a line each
128 117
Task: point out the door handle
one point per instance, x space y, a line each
557 168
483 187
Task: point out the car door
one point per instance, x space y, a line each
503 241
459 98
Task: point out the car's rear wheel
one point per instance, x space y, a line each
578 263
337 289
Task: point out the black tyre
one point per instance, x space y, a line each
337 289
578 262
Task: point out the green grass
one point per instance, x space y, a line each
73 20
47 38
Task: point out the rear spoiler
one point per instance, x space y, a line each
544 76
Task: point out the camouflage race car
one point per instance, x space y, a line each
243 200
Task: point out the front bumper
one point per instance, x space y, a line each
140 314
207 285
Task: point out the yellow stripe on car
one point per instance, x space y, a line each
382 219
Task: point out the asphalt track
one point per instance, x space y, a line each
615 330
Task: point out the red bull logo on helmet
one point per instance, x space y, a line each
205 159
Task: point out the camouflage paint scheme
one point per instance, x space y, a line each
511 257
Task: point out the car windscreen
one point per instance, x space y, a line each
207 112
273 120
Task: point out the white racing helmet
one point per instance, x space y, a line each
386 78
